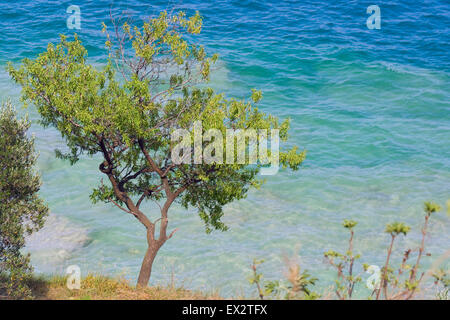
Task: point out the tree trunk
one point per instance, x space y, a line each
154 245
147 263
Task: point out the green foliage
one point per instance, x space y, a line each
22 212
256 280
401 283
344 265
298 284
431 207
404 282
442 276
349 224
153 83
396 228
129 118
442 282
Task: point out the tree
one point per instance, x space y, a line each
21 210
152 84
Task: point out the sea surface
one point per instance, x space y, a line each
370 106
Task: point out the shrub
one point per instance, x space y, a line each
21 210
401 283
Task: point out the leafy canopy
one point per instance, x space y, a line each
153 83
21 210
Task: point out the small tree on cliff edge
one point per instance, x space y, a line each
21 210
127 111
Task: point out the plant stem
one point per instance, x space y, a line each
383 278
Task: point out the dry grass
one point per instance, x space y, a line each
97 287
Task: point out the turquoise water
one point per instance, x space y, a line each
370 106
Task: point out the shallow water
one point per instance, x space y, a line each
370 106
